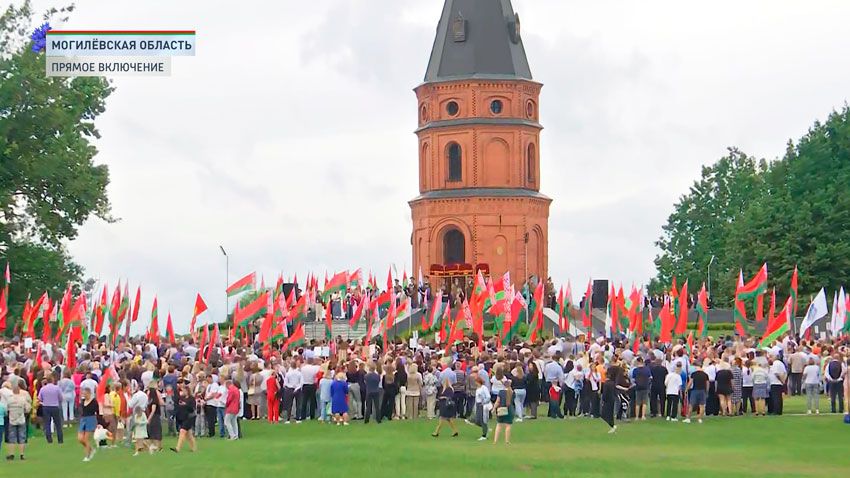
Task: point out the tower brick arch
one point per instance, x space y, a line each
497 163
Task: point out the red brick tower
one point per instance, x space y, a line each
480 204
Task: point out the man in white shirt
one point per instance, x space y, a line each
308 390
292 381
776 379
219 409
211 395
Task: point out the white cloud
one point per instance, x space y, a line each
288 138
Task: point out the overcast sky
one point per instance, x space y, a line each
289 138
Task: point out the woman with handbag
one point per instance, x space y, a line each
448 409
504 407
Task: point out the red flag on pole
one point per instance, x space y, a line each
170 329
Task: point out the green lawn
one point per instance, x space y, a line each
770 447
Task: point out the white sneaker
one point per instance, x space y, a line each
687 420
136 454
286 422
345 423
808 412
674 419
668 419
297 422
86 460
700 420
613 429
482 438
817 412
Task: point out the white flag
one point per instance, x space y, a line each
839 312
817 310
834 318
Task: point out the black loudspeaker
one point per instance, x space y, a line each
287 288
600 294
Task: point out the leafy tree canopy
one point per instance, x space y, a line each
794 211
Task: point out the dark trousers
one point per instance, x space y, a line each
52 415
836 389
170 420
608 413
288 399
795 383
470 405
388 405
657 397
673 406
532 405
712 401
209 415
480 419
373 401
569 402
586 392
776 399
308 401
460 401
555 409
747 396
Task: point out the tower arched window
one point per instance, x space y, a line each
454 247
530 160
455 157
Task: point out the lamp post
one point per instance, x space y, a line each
709 275
227 280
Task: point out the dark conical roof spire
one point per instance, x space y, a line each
478 39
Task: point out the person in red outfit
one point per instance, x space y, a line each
231 410
271 399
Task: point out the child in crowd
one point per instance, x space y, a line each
325 397
554 401
140 430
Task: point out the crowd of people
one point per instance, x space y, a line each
132 394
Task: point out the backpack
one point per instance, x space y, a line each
834 370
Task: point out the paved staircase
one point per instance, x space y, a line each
339 328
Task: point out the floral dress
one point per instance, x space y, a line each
737 384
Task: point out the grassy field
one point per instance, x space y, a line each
770 447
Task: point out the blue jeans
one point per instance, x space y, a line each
221 427
323 410
519 402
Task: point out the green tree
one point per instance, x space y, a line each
699 226
803 216
49 184
792 212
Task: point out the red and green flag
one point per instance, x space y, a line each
682 322
213 340
297 335
109 377
702 313
794 292
777 326
243 317
242 285
200 308
739 313
136 303
338 283
587 310
169 329
153 332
